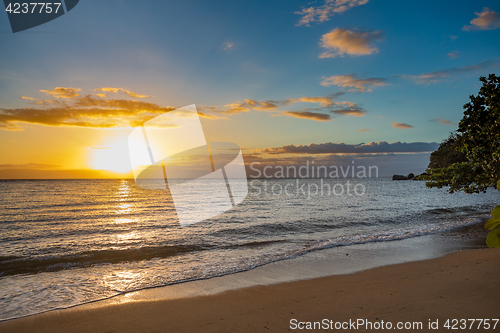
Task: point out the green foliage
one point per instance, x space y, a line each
470 161
478 142
493 224
493 238
447 153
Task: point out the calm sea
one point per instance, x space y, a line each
66 242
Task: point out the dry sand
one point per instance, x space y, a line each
460 285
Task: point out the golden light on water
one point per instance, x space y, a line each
123 206
123 280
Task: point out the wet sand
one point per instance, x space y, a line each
460 285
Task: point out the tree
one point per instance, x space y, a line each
479 132
447 153
479 142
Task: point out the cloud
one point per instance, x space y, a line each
401 125
307 115
272 105
29 166
86 111
364 130
234 108
453 55
325 101
265 105
28 98
444 121
350 111
326 104
485 20
328 9
436 76
228 45
60 92
115 90
362 148
210 116
340 42
352 82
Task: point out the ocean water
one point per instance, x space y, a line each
67 242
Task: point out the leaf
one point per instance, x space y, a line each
496 212
498 185
493 240
492 223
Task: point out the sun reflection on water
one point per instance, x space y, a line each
123 280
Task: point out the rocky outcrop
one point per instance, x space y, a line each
410 176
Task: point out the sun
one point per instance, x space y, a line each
112 156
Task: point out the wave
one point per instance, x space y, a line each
13 265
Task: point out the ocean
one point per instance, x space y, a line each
69 242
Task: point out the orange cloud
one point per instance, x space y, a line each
28 98
237 107
270 105
401 125
444 121
326 103
340 42
364 130
60 92
29 166
485 20
307 115
324 12
323 101
115 90
87 111
352 82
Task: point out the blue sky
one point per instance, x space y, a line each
394 62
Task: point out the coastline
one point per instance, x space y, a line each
335 264
460 285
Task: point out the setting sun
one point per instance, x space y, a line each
112 156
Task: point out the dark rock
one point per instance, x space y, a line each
410 176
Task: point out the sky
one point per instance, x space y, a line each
378 82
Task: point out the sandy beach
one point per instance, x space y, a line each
460 285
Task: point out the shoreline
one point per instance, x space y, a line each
458 285
339 260
318 263
327 262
